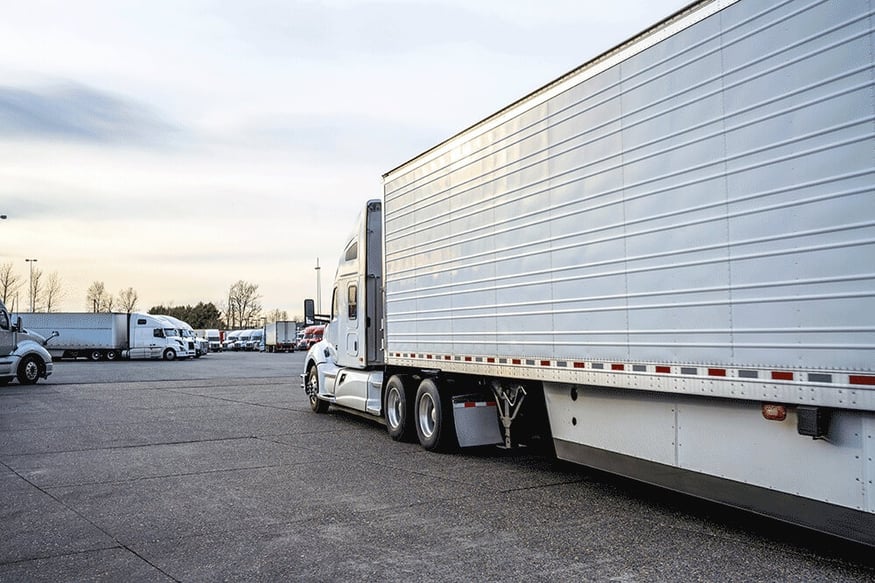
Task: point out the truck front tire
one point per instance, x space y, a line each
316 404
433 418
29 370
169 354
398 410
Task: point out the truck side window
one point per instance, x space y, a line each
353 302
4 320
334 308
141 321
158 333
352 252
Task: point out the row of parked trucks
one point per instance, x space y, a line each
29 342
661 264
115 335
280 336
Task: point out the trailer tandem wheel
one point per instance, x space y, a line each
398 409
433 418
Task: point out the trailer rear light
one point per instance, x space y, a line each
774 412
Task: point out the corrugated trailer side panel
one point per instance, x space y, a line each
697 202
81 330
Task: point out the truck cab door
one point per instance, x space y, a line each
7 340
352 322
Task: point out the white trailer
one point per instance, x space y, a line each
280 336
667 251
107 335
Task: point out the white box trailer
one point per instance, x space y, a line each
280 336
668 250
106 335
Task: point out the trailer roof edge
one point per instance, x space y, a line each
649 33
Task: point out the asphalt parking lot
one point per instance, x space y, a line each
217 470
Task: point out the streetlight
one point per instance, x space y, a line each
318 289
31 261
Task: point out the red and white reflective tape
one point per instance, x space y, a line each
675 370
472 404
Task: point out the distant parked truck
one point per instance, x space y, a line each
196 345
213 338
312 335
107 335
231 340
280 336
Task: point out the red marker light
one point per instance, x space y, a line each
774 412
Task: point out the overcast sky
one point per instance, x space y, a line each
177 147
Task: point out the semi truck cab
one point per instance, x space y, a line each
22 354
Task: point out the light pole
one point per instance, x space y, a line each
318 289
31 261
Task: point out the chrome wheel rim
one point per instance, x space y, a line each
312 386
31 371
393 408
427 415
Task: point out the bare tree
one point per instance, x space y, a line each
9 282
244 303
52 292
127 300
36 287
98 299
277 315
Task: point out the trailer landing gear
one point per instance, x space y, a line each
510 399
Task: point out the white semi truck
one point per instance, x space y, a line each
107 335
197 346
22 353
213 338
664 261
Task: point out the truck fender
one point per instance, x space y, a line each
30 347
321 355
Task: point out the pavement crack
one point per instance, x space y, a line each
130 446
57 555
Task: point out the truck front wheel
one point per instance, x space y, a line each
29 370
316 404
169 354
398 410
434 423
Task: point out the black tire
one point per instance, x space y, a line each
398 410
433 418
95 355
316 404
111 355
29 370
169 354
